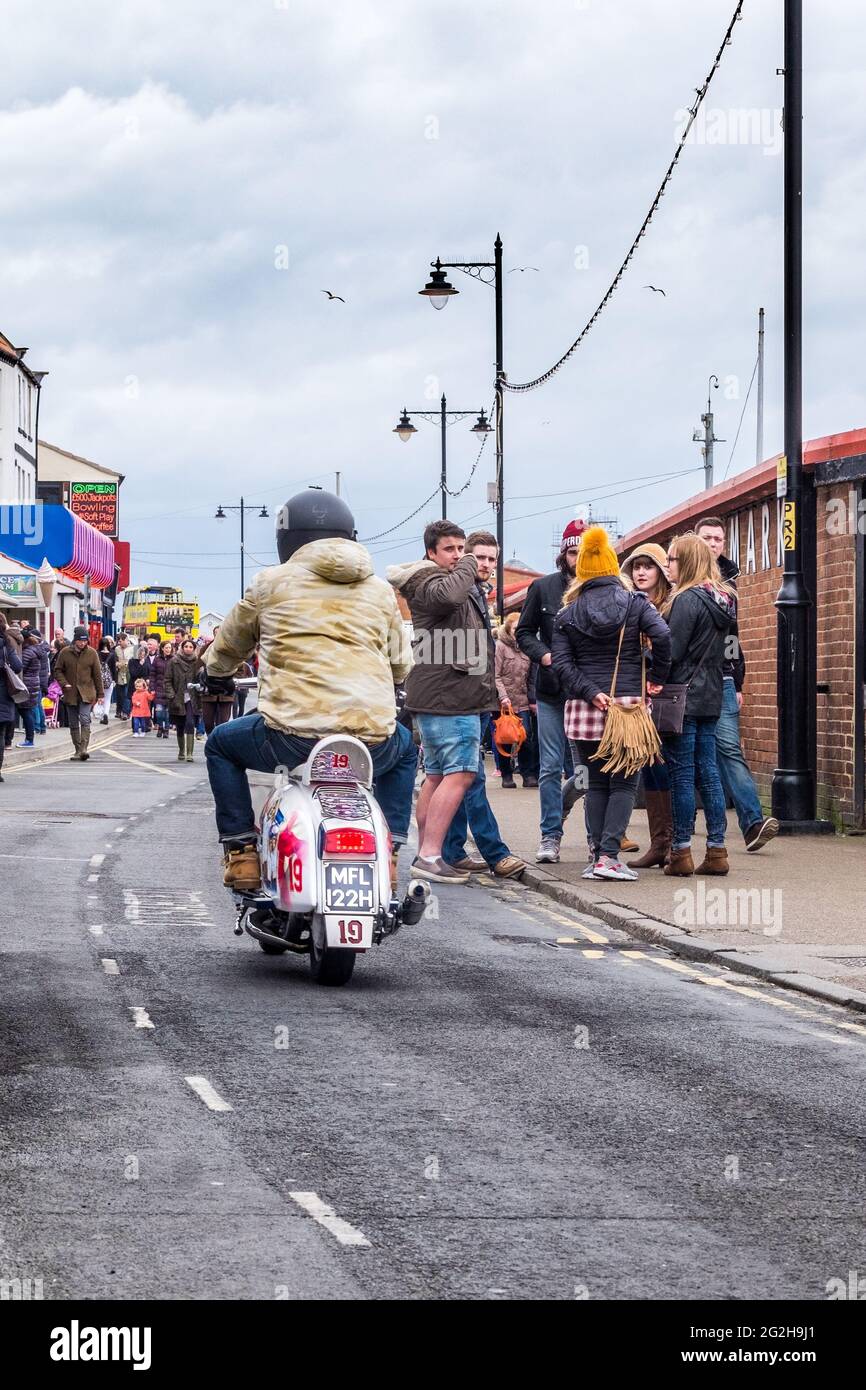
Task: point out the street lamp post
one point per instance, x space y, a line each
405 430
793 793
439 291
220 515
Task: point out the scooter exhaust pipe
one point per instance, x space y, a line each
414 904
261 935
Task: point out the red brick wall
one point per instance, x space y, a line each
835 655
836 638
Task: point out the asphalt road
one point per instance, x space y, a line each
497 1106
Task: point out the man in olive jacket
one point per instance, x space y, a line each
79 674
450 685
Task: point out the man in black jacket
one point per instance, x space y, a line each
534 637
737 780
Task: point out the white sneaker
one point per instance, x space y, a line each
605 867
589 871
548 851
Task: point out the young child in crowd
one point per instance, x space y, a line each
142 706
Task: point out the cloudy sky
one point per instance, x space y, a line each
181 180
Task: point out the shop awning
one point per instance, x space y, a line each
37 531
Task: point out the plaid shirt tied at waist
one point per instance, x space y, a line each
585 722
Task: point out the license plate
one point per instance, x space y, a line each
350 931
349 887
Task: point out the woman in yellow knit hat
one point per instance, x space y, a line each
598 649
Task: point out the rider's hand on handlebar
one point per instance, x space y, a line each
218 685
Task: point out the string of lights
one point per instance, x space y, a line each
614 285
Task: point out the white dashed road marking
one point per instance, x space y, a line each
96 860
140 1016
110 966
44 858
95 930
205 1091
313 1205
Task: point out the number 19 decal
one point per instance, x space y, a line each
351 933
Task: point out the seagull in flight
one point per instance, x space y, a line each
334 296
521 268
655 289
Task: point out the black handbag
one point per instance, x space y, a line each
669 708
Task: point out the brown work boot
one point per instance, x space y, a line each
471 864
509 867
716 861
242 869
681 864
76 744
627 846
658 810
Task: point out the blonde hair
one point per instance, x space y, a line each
509 623
697 565
574 588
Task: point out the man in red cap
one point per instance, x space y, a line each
534 635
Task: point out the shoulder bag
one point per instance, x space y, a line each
669 708
630 740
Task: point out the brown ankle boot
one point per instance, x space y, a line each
715 862
658 810
242 870
681 864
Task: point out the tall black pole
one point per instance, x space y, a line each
242 547
443 478
793 781
500 401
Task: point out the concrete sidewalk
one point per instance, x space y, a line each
794 912
54 743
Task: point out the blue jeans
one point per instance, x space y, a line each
124 698
139 725
475 809
160 716
554 755
734 771
249 743
39 716
691 755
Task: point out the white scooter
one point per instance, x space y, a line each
325 852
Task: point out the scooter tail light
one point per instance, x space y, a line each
349 841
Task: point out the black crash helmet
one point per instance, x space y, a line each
313 515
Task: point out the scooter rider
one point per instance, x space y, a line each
331 650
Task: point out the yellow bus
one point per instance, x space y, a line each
156 610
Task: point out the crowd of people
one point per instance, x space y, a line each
146 682
658 632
